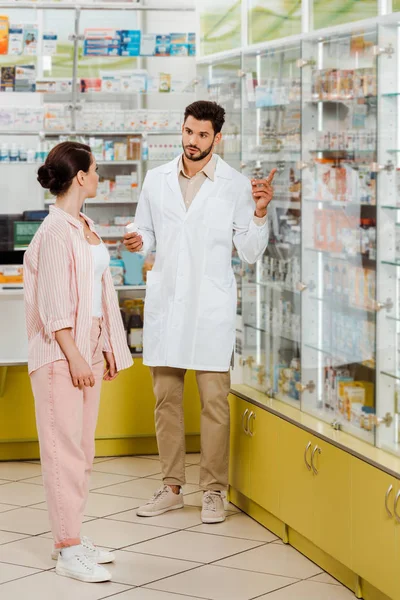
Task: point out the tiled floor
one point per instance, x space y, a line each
171 557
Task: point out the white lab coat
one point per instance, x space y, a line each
190 305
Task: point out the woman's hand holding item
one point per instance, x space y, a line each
110 372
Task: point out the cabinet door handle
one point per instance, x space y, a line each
396 514
243 419
252 418
305 456
388 492
316 449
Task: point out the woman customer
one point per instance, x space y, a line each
74 327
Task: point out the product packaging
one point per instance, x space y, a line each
129 42
164 83
191 38
4 32
49 43
30 40
148 44
179 44
7 79
15 39
163 45
25 78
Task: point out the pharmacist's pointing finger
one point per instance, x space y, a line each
271 175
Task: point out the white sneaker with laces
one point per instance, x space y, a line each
75 564
101 557
213 507
162 501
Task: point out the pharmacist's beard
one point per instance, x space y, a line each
197 157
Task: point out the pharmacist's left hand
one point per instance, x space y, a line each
110 371
263 192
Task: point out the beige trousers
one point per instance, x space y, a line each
170 428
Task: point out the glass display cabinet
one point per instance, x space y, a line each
388 256
339 220
318 321
270 296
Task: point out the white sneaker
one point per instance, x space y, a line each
213 507
163 501
101 557
79 566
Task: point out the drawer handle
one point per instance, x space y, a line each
252 417
243 419
396 514
388 492
305 456
316 450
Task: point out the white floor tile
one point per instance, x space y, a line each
217 583
3 481
102 505
197 547
100 459
104 480
11 572
38 480
325 578
32 552
6 537
22 494
176 519
15 471
138 488
307 590
116 534
140 569
145 594
238 526
149 456
130 466
6 507
275 560
25 520
49 585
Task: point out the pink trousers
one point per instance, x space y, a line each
66 420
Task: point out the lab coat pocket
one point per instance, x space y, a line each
153 303
219 213
216 323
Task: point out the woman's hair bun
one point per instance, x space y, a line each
46 176
62 164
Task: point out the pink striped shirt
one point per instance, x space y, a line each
58 282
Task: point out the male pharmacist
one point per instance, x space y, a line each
189 211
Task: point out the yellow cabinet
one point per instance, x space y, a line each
240 441
296 478
315 484
373 530
332 499
264 460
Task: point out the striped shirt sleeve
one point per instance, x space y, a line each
54 284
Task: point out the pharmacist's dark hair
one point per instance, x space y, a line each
62 164
207 111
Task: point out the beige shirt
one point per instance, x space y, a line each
190 186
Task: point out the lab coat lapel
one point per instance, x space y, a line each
173 184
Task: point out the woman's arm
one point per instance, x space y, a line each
81 374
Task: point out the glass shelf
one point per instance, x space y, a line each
358 259
345 359
393 375
392 263
391 207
